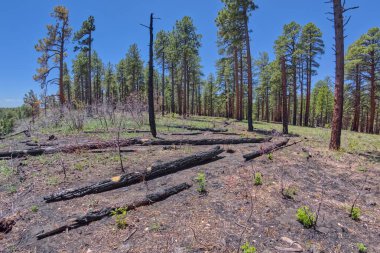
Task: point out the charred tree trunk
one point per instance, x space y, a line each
153 172
152 120
336 128
104 212
266 150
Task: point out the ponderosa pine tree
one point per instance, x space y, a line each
230 41
367 49
135 68
354 72
173 59
289 41
84 40
336 127
53 49
160 45
312 46
188 45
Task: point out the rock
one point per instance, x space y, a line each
323 230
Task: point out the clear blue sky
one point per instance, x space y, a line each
23 22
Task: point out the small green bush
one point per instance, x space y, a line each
201 180
34 209
270 156
258 178
6 171
248 248
355 213
306 217
120 215
362 248
11 188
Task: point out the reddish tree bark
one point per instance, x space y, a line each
284 97
336 128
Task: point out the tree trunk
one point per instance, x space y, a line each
152 121
284 97
89 72
163 84
153 172
267 104
355 123
172 91
236 79
308 88
294 94
262 151
339 76
249 66
241 92
372 94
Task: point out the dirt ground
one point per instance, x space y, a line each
234 210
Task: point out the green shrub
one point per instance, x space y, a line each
270 156
355 213
306 217
201 180
120 215
11 188
258 178
34 209
362 248
248 248
6 171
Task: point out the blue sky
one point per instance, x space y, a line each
23 22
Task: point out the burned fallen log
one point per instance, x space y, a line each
265 150
204 129
70 148
100 214
153 172
116 130
40 144
189 133
226 133
204 141
26 132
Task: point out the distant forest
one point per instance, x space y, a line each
242 87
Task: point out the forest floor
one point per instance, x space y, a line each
234 210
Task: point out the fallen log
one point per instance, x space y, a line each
189 133
204 129
100 214
69 148
265 150
115 131
155 171
204 141
40 144
226 133
26 132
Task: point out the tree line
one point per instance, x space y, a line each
284 89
